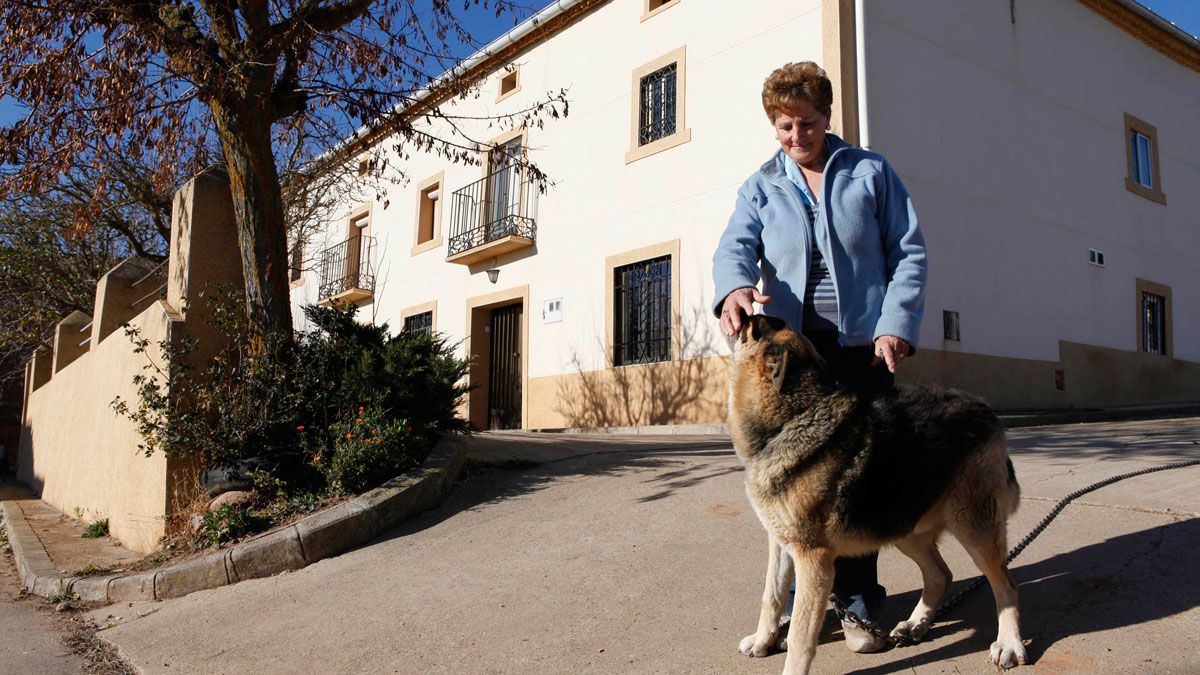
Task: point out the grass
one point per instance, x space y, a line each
96 530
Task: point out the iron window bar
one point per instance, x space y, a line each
656 112
642 312
347 266
501 204
419 323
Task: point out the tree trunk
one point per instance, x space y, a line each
258 210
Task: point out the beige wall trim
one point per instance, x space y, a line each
1155 192
430 307
477 340
419 247
1147 286
612 262
840 60
355 215
682 133
513 71
485 152
1160 38
662 7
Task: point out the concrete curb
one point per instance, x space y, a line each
300 544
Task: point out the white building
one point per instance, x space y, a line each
1052 149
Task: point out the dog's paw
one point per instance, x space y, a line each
752 646
1007 655
911 630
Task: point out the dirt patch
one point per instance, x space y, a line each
79 635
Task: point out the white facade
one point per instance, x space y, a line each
1008 135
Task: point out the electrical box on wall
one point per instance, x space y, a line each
552 310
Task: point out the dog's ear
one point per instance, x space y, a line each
778 361
753 330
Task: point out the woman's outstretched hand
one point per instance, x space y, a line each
739 304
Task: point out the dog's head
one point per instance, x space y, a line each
776 370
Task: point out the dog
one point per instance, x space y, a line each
833 474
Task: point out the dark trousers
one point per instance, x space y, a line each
851 367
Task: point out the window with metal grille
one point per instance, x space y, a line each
1154 323
642 312
419 323
656 118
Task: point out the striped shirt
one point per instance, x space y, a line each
820 298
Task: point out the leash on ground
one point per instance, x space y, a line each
845 615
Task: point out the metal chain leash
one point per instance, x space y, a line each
844 614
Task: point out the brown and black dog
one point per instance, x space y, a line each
833 474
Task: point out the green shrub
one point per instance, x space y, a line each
370 449
292 398
228 522
96 530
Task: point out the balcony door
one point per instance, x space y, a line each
357 254
503 189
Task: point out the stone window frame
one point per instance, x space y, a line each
1155 192
682 133
514 71
652 8
611 263
1147 286
430 307
418 247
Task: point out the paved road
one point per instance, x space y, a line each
29 641
648 559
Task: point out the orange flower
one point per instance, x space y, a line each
366 440
349 435
358 420
376 441
360 410
300 427
374 432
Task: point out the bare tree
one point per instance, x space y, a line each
272 83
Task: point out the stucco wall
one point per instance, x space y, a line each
78 453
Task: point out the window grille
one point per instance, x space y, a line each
657 110
1154 324
419 323
1139 153
642 312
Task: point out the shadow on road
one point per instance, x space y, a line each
1152 440
1119 582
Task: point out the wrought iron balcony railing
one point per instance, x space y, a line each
501 205
346 270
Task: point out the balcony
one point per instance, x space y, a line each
493 215
346 272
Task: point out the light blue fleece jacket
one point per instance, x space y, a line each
874 246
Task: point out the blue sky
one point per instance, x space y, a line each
485 27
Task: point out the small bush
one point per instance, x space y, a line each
227 523
369 450
96 530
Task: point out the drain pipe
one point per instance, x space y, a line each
860 70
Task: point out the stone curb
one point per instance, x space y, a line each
318 536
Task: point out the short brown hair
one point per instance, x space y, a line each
795 82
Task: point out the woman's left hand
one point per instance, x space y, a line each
891 350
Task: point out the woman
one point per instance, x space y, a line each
831 232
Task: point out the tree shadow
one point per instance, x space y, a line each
686 388
1108 585
1158 440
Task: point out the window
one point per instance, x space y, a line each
950 326
296 266
1154 318
656 116
658 97
419 323
1096 257
642 312
1154 324
1141 160
427 227
510 83
654 7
